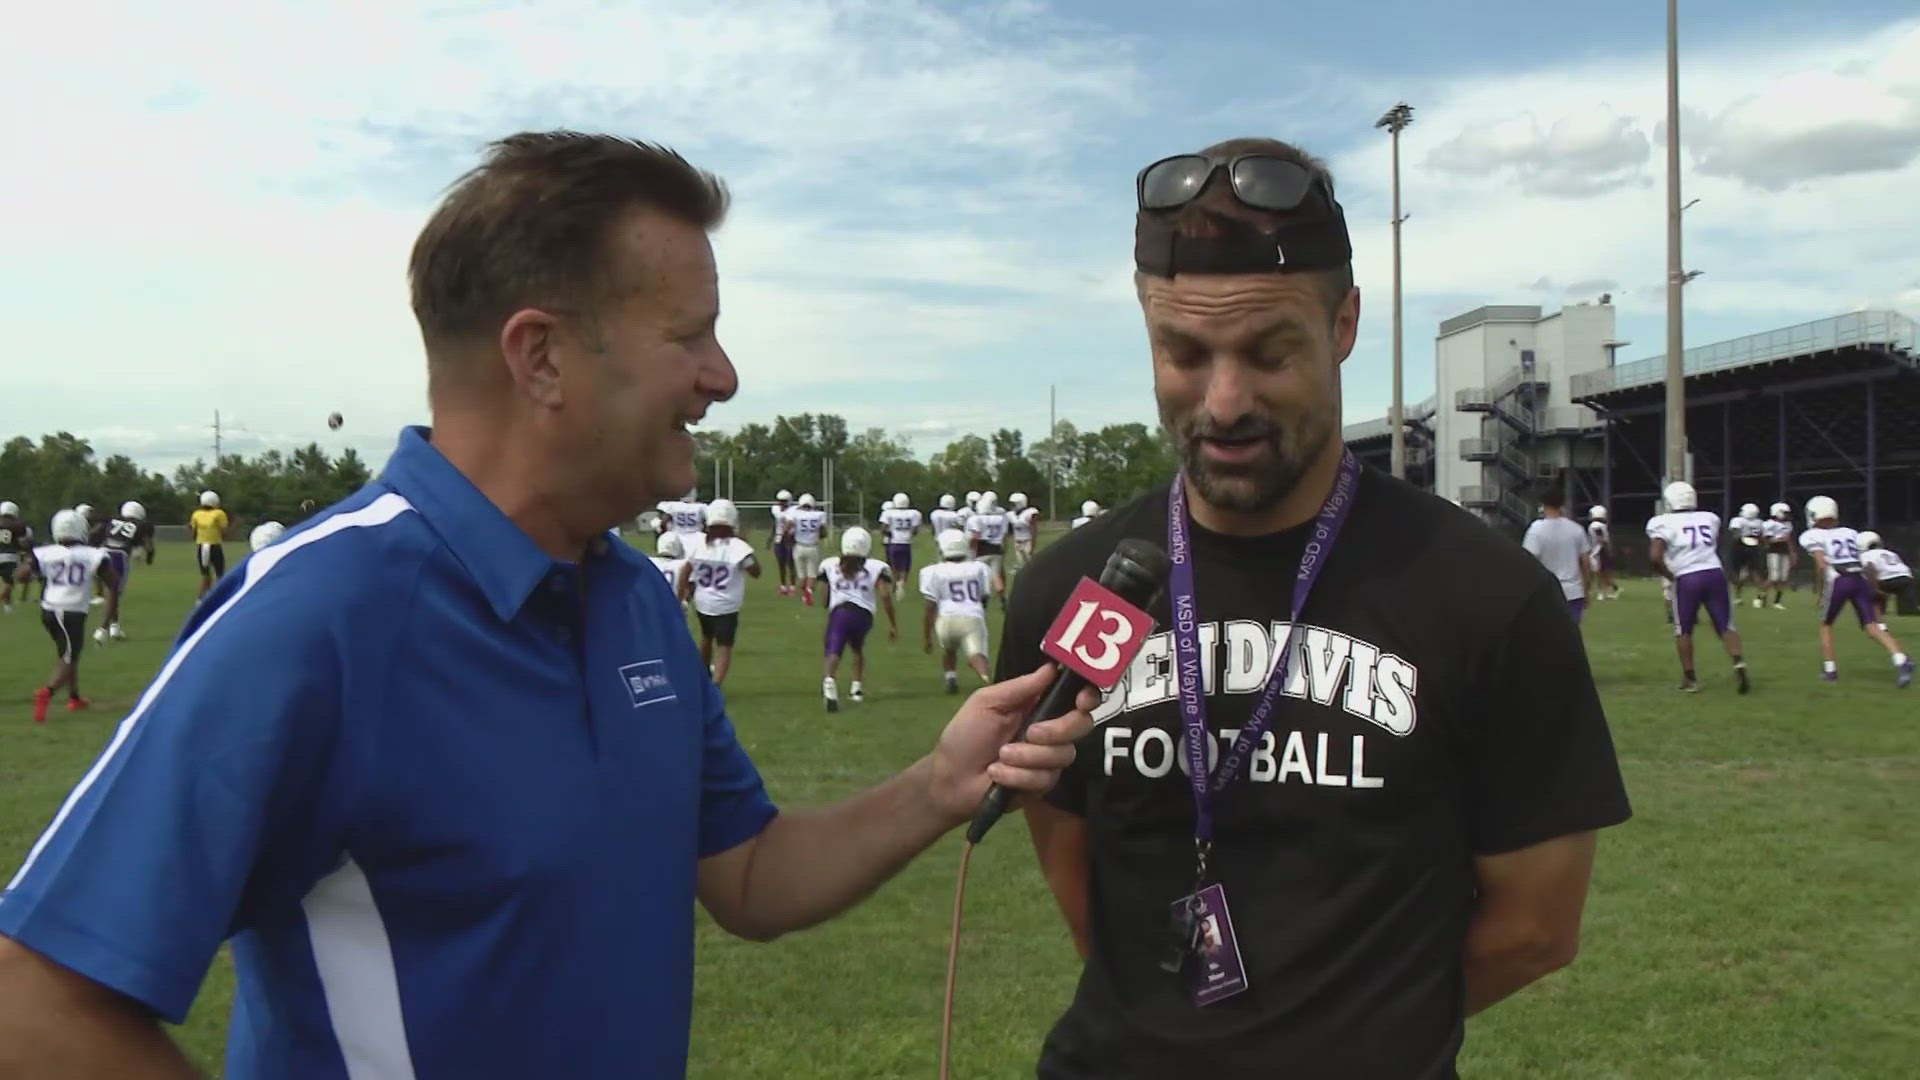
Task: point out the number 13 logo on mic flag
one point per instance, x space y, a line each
1097 634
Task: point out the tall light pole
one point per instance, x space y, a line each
1395 120
1676 278
1053 482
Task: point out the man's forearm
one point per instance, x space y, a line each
1503 959
811 865
59 1026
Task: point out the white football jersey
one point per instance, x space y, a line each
959 587
807 525
943 520
860 589
990 528
720 575
1885 563
1840 544
669 568
685 518
1747 529
964 514
779 518
1597 533
1079 521
1776 532
69 570
900 524
1022 521
1692 538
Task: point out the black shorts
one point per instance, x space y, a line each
1745 556
720 629
213 557
68 629
1894 586
987 548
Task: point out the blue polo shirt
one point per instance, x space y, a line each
445 794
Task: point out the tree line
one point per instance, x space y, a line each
1109 465
63 470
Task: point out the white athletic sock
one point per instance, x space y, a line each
830 688
1899 658
855 688
1828 665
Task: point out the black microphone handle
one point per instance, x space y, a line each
1057 701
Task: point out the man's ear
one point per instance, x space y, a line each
528 344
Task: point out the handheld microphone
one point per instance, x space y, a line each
1094 638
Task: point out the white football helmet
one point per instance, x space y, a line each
1089 508
669 546
972 498
989 502
210 499
85 511
722 512
69 527
900 501
1018 499
1869 539
806 498
953 544
1597 513
783 496
1749 510
1782 511
1681 496
10 508
946 502
1821 508
856 541
133 511
265 533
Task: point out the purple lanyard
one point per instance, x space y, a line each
1186 644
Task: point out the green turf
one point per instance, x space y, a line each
1757 918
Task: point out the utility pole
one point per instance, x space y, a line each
216 438
1676 277
1395 120
1053 472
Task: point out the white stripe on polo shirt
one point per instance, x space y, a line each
378 512
354 957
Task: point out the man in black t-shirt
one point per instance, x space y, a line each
1411 838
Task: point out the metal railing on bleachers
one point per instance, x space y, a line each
1861 328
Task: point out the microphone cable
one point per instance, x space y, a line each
953 960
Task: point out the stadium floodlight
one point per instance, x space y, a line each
1395 120
1676 277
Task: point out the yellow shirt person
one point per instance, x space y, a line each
209 525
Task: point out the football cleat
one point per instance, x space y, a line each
75 704
1905 678
41 698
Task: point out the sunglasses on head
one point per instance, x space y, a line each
1261 181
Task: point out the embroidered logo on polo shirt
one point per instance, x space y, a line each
647 682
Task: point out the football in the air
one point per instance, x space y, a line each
334 420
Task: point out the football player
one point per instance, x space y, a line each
1088 511
988 528
1601 537
16 547
809 528
901 522
119 536
68 565
1685 551
946 517
956 589
782 541
856 584
716 584
209 524
1890 574
1776 534
1024 520
264 534
670 558
1748 566
1838 567
687 516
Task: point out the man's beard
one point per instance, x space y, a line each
1258 485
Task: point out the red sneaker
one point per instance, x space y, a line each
41 698
808 595
75 704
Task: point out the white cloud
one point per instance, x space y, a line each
1524 176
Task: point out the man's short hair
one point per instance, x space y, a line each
1553 500
1203 216
532 225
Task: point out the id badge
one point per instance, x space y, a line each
1215 971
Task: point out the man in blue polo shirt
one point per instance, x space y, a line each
443 763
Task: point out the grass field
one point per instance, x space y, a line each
1759 916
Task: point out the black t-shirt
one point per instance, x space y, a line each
1442 708
15 538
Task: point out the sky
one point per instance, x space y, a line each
208 204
